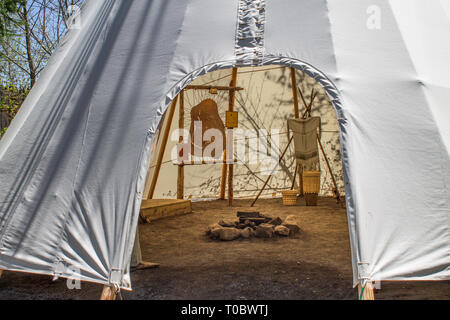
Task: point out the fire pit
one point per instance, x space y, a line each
253 224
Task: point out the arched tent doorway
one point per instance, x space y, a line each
216 78
320 78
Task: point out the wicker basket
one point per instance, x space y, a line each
290 197
311 199
311 187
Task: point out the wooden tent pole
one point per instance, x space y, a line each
223 182
163 148
329 168
309 107
231 137
366 293
108 293
295 92
303 97
180 182
270 176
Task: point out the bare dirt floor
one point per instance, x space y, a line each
314 264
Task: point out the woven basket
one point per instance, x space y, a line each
290 197
311 187
311 199
311 182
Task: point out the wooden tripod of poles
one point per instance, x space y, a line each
307 114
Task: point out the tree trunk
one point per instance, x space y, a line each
31 66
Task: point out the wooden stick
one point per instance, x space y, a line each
108 293
1 272
180 182
336 190
220 88
366 293
308 109
295 177
230 137
163 148
270 176
303 98
223 182
295 93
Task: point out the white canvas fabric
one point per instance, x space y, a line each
74 161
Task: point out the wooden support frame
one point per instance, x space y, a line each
230 137
163 148
180 182
219 88
227 168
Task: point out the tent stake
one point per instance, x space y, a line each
163 148
180 182
270 176
366 293
108 293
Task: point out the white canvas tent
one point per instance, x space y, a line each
73 163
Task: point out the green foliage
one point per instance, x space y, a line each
8 9
11 98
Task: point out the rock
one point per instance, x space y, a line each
282 231
264 230
229 234
248 215
247 233
211 227
292 224
255 221
293 228
248 223
228 223
292 219
276 222
215 233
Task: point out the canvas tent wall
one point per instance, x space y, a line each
265 104
73 163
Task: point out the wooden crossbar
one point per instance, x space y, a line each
219 88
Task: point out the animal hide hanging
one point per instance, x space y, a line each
305 141
206 116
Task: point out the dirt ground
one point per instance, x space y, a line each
314 264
